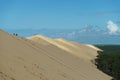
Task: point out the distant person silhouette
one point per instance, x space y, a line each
16 34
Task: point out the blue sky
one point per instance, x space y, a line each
68 14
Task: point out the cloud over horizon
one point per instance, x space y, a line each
113 28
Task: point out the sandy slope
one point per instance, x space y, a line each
41 59
74 48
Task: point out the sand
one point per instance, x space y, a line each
42 58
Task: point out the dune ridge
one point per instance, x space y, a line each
49 41
63 44
41 59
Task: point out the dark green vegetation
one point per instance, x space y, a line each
109 60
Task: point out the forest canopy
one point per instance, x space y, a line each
109 60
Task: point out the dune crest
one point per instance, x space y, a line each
42 58
65 41
94 47
49 41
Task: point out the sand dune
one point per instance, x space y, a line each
67 46
42 58
80 50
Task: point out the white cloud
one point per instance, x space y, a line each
112 27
